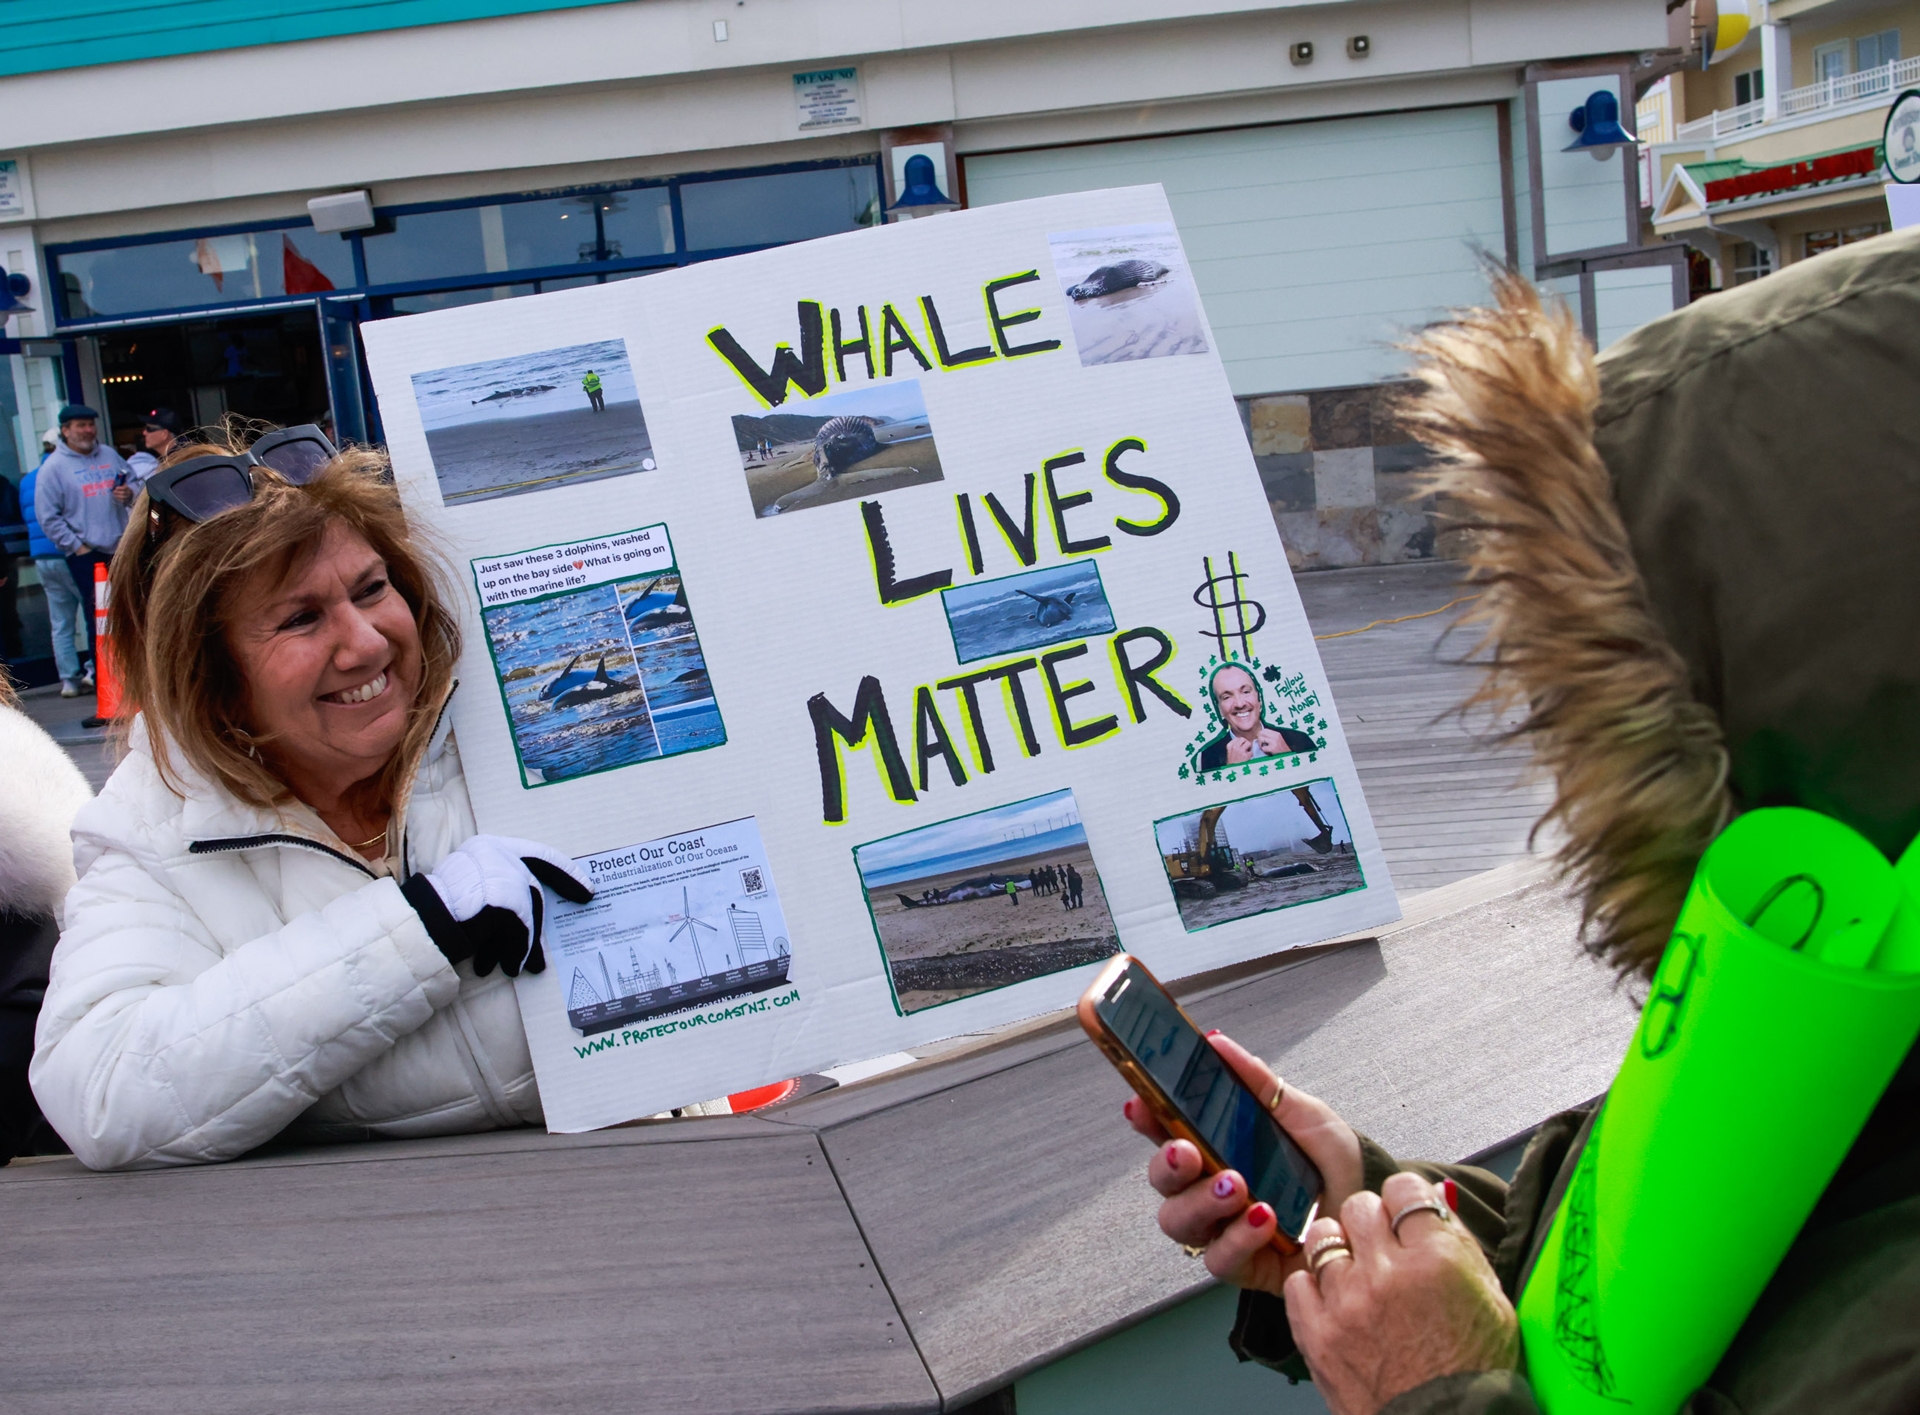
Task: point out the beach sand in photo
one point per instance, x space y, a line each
478 461
1338 873
949 951
1144 322
788 480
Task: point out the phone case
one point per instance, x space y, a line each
1149 1089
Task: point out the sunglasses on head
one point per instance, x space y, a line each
202 487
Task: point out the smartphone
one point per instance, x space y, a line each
1196 1096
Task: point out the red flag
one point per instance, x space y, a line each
301 275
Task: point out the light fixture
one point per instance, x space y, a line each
13 293
343 211
920 193
1359 47
1301 52
1597 121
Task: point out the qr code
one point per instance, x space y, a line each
752 882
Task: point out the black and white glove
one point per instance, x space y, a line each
484 902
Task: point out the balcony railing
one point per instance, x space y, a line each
1866 85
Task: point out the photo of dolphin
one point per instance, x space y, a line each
660 605
573 685
1054 609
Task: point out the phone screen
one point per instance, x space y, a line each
1242 1132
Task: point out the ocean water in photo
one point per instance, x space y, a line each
1048 606
585 696
524 386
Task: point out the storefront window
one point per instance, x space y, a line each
449 299
208 270
478 240
779 207
637 222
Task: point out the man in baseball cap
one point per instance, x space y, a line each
159 431
75 501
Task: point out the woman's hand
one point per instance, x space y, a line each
1388 1312
483 902
1217 1214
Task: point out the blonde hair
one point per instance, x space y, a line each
1507 396
175 597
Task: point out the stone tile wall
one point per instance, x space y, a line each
1338 473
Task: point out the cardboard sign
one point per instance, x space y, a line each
894 622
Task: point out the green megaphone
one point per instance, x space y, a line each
1787 998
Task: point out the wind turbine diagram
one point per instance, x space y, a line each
690 926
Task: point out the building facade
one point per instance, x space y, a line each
1340 173
1774 153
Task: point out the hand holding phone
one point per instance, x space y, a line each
1196 1096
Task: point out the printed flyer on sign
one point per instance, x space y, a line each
892 625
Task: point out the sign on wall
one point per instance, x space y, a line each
894 627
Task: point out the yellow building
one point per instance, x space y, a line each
1773 152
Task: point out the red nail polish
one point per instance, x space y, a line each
1126 1107
1223 1187
1214 1033
1173 1156
1259 1216
1451 1193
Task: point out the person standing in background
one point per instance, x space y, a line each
63 601
159 431
591 383
13 548
75 499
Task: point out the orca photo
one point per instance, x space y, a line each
1129 293
985 901
846 445
533 422
1257 854
988 618
603 676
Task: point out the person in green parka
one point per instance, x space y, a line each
1699 563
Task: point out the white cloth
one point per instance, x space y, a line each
228 971
40 792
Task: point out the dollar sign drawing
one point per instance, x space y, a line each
1229 604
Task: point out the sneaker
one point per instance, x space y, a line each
86 684
69 688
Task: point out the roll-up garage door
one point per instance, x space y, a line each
1315 245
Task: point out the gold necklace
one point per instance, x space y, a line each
376 839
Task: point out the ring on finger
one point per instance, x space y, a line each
1279 1090
1193 1252
1334 1245
1432 1206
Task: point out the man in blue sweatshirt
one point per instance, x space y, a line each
74 498
63 600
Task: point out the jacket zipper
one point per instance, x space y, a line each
227 845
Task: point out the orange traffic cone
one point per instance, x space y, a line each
106 683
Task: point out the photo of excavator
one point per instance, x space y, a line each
1208 865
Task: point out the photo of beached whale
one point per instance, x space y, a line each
603 677
985 901
1129 293
1257 854
507 427
837 448
988 618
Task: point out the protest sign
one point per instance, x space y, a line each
893 622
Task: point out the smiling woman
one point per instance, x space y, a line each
284 916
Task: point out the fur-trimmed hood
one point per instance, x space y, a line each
40 792
1698 560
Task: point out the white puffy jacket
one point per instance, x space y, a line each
227 971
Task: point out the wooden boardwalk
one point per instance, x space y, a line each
1448 802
